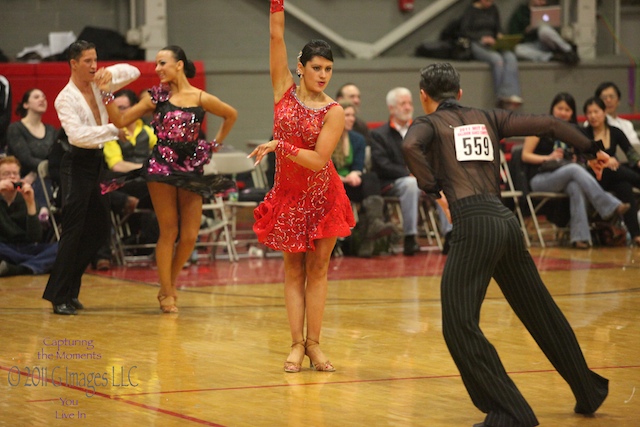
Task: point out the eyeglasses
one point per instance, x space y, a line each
603 97
7 174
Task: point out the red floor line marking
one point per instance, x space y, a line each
171 413
429 377
90 392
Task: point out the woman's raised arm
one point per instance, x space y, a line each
281 78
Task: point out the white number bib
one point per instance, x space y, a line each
473 143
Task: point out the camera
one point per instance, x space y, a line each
17 185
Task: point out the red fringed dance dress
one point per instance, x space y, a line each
303 205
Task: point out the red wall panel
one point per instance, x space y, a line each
51 77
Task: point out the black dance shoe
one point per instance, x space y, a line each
75 303
410 246
64 309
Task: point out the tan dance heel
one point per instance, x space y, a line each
312 350
294 367
168 303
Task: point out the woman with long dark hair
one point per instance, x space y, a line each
30 140
543 154
616 177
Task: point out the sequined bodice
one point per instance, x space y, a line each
179 157
296 123
303 205
176 124
179 147
299 125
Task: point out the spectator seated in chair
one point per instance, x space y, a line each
21 250
389 164
125 154
30 141
362 187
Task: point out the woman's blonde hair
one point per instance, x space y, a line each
338 153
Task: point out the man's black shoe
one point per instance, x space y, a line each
75 303
64 309
410 245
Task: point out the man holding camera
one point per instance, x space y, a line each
20 231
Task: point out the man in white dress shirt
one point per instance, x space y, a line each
85 217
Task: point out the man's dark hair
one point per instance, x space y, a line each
133 98
339 93
440 81
606 85
76 48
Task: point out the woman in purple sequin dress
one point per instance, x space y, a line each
307 209
175 170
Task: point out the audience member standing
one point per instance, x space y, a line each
85 222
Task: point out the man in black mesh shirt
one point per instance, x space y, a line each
456 149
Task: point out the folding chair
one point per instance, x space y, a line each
508 191
216 227
426 214
536 200
234 163
54 211
125 253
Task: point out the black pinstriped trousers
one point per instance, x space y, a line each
487 242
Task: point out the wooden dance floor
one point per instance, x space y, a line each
219 361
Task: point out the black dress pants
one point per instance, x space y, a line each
488 243
621 182
85 223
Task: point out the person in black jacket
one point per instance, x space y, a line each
456 150
21 250
389 165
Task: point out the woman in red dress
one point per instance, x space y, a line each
307 209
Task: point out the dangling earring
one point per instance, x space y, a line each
298 73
